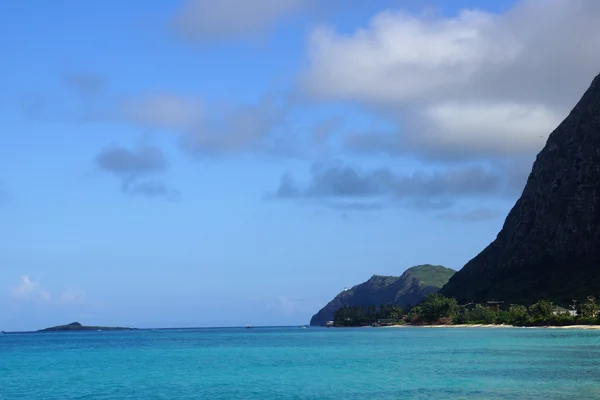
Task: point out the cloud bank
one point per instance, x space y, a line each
474 95
161 110
85 83
470 86
344 186
136 168
205 20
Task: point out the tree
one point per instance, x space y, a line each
383 311
371 312
415 315
588 309
541 311
482 314
517 315
395 313
436 306
360 316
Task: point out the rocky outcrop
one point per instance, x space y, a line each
76 326
410 288
549 246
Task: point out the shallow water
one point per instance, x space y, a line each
294 363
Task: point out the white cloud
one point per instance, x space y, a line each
499 128
72 296
215 128
203 20
25 288
32 290
476 83
45 295
222 128
402 57
162 110
245 127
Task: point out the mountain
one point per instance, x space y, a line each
410 288
549 246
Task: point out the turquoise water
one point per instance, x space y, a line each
294 363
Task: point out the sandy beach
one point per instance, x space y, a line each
587 327
592 327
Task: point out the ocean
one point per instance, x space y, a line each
295 363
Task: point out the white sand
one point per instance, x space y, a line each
589 327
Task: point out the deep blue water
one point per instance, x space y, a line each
294 363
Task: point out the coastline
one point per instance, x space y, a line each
495 326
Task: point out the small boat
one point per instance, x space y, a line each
248 327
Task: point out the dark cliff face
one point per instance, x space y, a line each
549 246
410 288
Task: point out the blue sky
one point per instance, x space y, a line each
212 164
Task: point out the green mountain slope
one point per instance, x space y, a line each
410 288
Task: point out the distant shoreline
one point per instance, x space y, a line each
45 331
109 329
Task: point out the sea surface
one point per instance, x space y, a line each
295 363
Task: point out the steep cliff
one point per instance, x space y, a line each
549 246
410 288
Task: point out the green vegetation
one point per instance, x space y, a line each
410 288
432 275
589 309
365 316
76 326
479 314
516 315
437 309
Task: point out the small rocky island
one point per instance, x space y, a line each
76 326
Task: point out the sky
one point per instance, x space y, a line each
198 163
